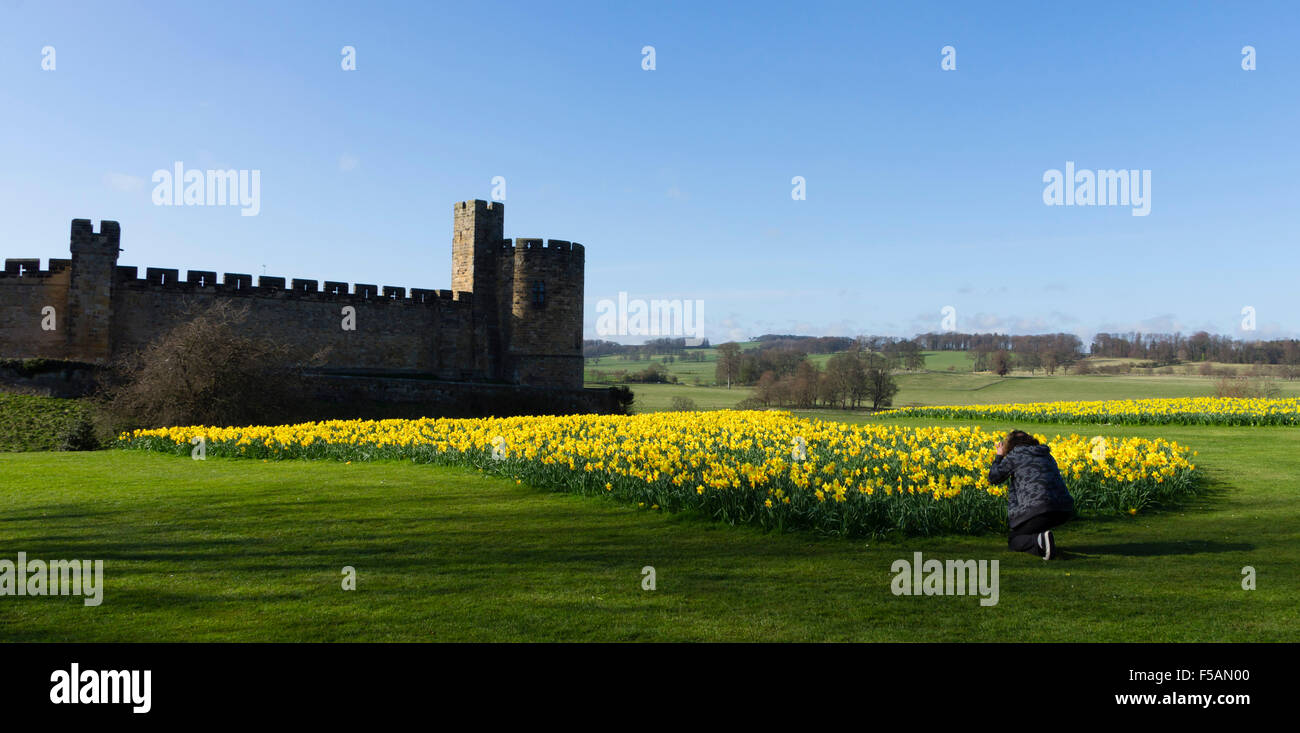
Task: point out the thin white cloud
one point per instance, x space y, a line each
123 182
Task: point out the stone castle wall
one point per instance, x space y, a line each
513 315
25 292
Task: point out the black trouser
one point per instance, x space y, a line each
1024 536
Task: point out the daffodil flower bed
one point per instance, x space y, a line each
1175 411
765 468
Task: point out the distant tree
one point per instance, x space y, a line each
1049 363
805 383
728 369
766 391
844 372
1029 360
880 384
828 393
1000 363
915 360
907 354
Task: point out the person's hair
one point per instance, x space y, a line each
1017 438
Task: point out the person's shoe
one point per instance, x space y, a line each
1048 543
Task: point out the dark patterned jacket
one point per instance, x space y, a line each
1036 485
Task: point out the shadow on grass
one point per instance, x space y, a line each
47 517
395 533
1207 497
1152 549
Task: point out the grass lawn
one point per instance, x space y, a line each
960 361
685 371
659 397
252 551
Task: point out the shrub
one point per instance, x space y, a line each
683 404
1246 388
209 370
33 422
655 373
79 435
623 400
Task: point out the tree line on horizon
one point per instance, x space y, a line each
1172 348
1046 351
675 347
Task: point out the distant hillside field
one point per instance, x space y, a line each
947 380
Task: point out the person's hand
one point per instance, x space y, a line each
1002 447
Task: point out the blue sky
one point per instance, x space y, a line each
924 186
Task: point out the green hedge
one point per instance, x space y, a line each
29 423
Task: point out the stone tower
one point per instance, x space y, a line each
478 228
90 291
527 298
540 297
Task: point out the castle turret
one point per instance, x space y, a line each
477 231
90 292
541 303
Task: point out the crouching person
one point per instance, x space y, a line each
1037 499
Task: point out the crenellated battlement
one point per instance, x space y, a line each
479 205
555 246
165 279
108 238
18 268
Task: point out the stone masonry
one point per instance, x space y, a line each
513 314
